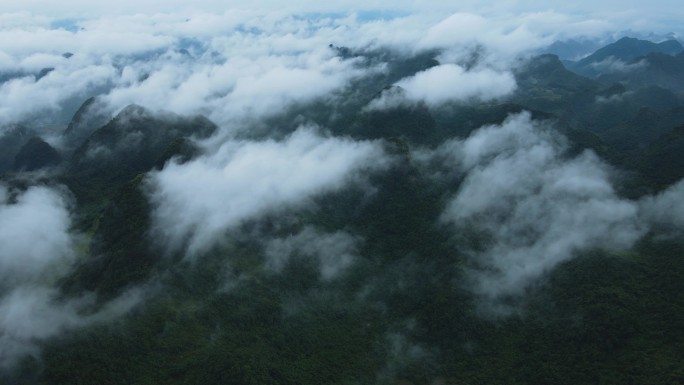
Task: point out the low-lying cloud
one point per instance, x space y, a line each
448 83
532 206
197 202
334 252
612 64
38 249
35 237
524 206
238 65
666 209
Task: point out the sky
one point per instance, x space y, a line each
633 11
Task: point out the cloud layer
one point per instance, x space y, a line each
38 249
536 207
240 64
524 204
197 202
333 252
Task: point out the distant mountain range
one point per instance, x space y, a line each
638 63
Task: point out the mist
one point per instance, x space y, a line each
39 247
239 65
197 202
526 205
334 252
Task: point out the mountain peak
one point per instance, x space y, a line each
36 154
626 50
671 47
133 110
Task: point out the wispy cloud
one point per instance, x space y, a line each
197 202
333 252
38 249
525 206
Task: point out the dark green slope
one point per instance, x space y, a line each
402 313
12 138
36 154
544 84
89 117
662 161
626 50
654 69
132 143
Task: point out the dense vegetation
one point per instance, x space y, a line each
402 312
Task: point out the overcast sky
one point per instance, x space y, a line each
656 15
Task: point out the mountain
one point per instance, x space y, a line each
403 307
643 129
11 140
409 120
133 142
662 161
654 69
571 49
621 55
106 174
36 154
544 84
89 117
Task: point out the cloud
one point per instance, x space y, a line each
239 64
444 84
461 31
28 315
615 98
612 64
35 238
659 13
32 314
25 97
451 82
239 88
666 209
334 251
197 202
533 207
38 249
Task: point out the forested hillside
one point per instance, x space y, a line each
389 216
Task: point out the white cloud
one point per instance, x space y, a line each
446 83
612 64
25 97
451 82
34 233
334 252
249 61
537 208
38 250
197 202
666 209
31 314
